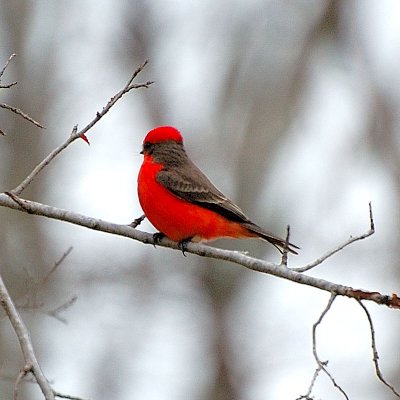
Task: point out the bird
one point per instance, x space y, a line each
183 204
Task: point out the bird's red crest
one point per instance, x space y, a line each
163 133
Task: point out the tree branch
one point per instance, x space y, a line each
75 134
21 113
10 200
31 363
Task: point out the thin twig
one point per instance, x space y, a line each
24 371
63 307
67 396
8 86
29 300
56 265
11 108
136 222
375 355
22 186
348 242
6 65
322 364
307 396
21 113
75 134
8 378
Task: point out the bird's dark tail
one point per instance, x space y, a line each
276 241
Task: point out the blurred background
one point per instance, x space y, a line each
290 107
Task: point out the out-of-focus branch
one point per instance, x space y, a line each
29 300
12 201
31 363
75 134
15 110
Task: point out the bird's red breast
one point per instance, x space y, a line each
176 218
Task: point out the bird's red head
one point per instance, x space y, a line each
163 133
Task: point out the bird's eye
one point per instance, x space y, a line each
148 148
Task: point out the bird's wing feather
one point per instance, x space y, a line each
192 185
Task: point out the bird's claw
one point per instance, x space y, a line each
182 245
157 237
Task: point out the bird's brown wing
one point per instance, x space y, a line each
192 185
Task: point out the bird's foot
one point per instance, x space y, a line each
182 245
157 238
136 222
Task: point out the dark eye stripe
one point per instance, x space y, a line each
148 148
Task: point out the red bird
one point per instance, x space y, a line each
182 203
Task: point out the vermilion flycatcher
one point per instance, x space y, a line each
182 203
